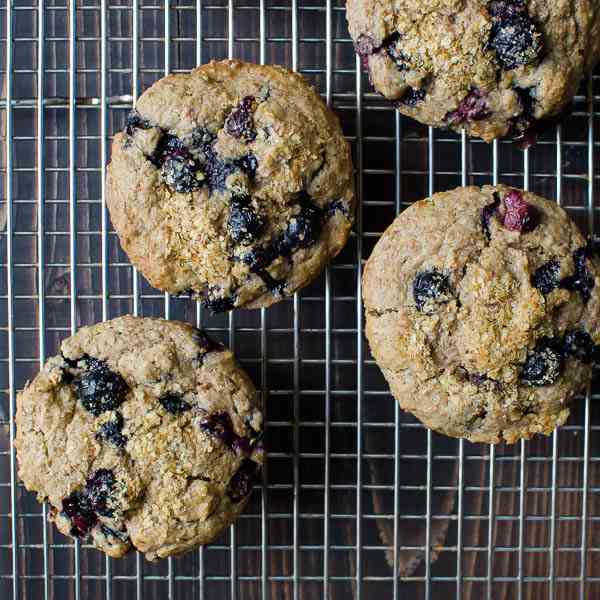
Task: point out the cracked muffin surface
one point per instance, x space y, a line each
143 434
493 68
482 311
232 183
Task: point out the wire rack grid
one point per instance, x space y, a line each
357 499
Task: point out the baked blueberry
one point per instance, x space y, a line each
546 277
303 229
240 122
111 431
582 280
178 168
243 480
473 107
98 388
516 213
392 47
174 403
136 121
514 36
578 344
245 225
219 425
431 286
512 210
248 164
413 96
84 507
542 366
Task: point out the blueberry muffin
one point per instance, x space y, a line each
232 183
482 310
142 434
493 68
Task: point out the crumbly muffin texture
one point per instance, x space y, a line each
142 434
233 183
482 310
493 68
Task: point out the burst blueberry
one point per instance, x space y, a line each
304 227
582 280
98 388
174 403
431 286
136 121
240 121
241 483
244 224
473 107
542 366
578 344
513 36
84 507
546 277
220 425
413 96
111 432
178 168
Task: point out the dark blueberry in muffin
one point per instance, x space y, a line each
174 403
413 96
111 432
304 228
136 121
430 286
514 36
99 388
581 281
241 483
240 122
546 277
578 344
219 425
84 507
178 167
543 365
248 164
487 212
244 224
364 47
217 172
473 107
201 140
98 489
259 258
392 47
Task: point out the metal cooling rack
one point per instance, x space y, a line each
358 499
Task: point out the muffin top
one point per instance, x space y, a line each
142 434
482 310
232 183
493 68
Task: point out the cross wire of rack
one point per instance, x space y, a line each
358 499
